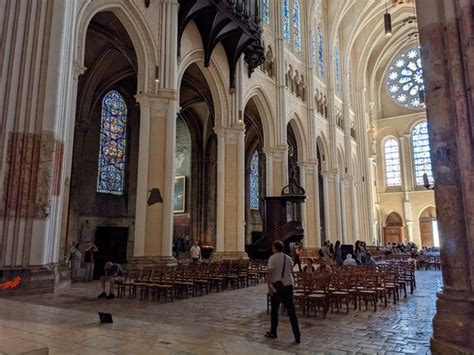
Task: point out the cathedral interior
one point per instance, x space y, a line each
135 132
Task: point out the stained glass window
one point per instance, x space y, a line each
266 11
337 59
254 182
314 55
113 125
421 153
392 163
404 80
286 21
297 25
320 51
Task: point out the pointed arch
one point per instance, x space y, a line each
265 111
295 123
137 28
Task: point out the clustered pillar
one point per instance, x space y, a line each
446 32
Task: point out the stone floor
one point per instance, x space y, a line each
231 322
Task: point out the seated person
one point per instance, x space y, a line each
309 267
349 261
323 267
113 274
369 260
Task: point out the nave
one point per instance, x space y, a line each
227 322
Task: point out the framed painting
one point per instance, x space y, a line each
179 203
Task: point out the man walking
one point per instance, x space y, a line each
280 288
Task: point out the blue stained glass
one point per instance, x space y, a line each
266 11
337 59
392 163
313 47
320 51
113 140
286 21
421 153
254 182
297 25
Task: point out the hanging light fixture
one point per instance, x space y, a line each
387 19
157 74
421 96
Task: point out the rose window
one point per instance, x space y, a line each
405 80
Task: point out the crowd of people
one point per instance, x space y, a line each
79 253
331 254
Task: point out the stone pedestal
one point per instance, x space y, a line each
229 255
141 261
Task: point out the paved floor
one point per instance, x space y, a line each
226 323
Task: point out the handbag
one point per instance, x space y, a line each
278 285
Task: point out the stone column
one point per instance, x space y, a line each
277 170
342 223
154 223
404 162
446 32
308 179
327 218
231 192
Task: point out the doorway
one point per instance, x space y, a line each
111 243
429 228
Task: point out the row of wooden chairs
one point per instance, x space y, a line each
360 285
429 262
182 281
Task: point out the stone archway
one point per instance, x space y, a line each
255 172
95 213
197 156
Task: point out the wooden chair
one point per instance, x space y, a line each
341 286
369 292
319 295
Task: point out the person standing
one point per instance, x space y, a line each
296 256
338 253
327 254
75 256
89 259
195 253
280 288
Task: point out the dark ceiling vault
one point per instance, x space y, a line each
233 23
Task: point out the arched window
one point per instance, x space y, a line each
297 25
314 50
113 141
337 60
266 11
320 51
421 153
286 21
392 162
254 181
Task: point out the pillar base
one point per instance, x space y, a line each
442 347
229 255
453 324
142 261
34 280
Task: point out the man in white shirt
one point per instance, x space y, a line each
349 261
195 252
280 288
